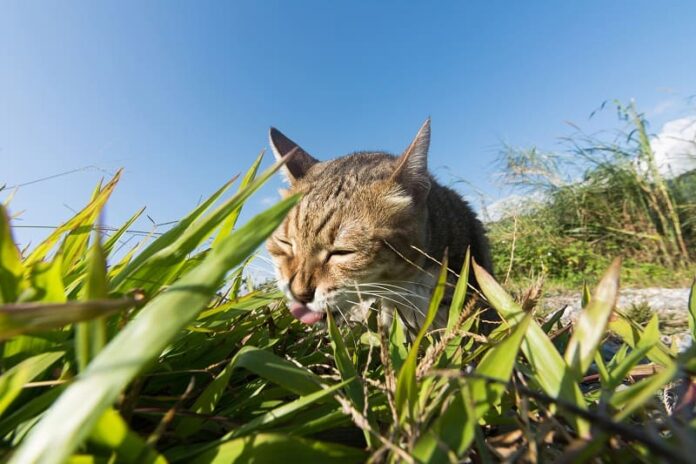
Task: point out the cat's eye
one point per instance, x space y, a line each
339 252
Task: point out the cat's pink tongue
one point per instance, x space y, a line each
304 314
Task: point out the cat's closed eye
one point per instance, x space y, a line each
340 253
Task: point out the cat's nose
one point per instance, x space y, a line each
305 295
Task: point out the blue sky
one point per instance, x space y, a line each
181 94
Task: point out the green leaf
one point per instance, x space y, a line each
497 364
452 432
459 295
82 219
591 325
90 336
397 344
12 381
47 280
11 268
229 223
406 394
53 439
113 239
21 318
631 333
169 237
548 367
454 428
112 432
266 447
347 369
639 394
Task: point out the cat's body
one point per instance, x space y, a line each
369 226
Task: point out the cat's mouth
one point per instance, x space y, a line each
302 313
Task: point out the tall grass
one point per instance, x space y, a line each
621 204
162 356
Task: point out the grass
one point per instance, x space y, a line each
600 196
162 355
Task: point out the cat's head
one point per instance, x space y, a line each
355 229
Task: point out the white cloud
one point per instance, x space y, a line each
675 147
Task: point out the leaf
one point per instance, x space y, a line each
47 280
112 432
455 427
631 333
264 364
168 237
229 223
591 325
643 391
90 336
397 344
21 318
11 268
548 367
406 385
114 238
12 381
78 220
55 437
459 295
497 364
347 369
267 447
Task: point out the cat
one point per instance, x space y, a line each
369 226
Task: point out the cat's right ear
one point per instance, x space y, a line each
301 161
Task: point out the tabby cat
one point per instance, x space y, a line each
369 226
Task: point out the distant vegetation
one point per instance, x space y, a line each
621 205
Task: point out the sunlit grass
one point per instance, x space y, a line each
163 355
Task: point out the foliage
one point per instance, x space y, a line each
621 205
160 356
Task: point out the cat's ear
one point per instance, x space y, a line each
301 161
412 166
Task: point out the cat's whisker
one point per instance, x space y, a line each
397 289
405 302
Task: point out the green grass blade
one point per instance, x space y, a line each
548 367
11 267
169 237
73 416
114 238
454 429
229 223
47 281
591 325
112 432
345 366
90 336
497 364
12 381
22 318
459 295
82 219
266 447
406 394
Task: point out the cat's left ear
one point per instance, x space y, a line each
412 166
301 161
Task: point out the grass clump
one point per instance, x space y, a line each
622 204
